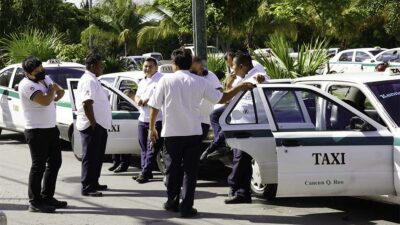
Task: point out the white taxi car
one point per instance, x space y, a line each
11 117
391 56
307 142
350 60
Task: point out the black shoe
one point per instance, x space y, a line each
92 193
54 202
238 200
189 213
173 207
113 167
150 176
142 179
121 168
217 153
205 154
100 187
42 208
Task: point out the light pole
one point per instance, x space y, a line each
199 29
90 23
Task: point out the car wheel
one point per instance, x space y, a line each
259 189
78 157
332 72
160 161
1 130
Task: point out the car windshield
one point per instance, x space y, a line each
388 93
60 74
375 52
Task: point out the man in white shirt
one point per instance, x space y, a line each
178 96
240 177
206 107
93 121
257 74
38 96
143 94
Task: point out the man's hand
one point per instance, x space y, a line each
153 135
246 86
145 102
259 78
229 80
140 102
93 125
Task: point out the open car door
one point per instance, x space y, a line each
323 146
122 137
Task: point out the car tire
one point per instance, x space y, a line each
160 161
267 191
1 130
78 157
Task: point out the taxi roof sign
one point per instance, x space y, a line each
393 71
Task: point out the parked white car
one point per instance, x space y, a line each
307 142
391 56
350 60
11 117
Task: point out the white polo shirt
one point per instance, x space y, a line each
178 95
36 115
245 105
89 88
145 91
206 107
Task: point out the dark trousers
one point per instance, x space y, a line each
219 137
205 128
94 143
122 159
44 145
240 178
149 150
182 161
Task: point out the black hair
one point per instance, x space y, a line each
229 54
30 64
182 58
92 59
151 59
243 58
196 59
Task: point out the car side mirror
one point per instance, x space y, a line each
16 87
356 123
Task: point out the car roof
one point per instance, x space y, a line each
53 65
359 78
363 49
128 74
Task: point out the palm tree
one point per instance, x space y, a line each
153 30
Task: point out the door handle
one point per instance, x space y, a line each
291 143
241 135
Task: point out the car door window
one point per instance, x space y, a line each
346 57
386 56
19 75
5 77
248 110
354 97
361 56
129 88
295 110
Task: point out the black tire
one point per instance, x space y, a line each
267 191
160 161
1 129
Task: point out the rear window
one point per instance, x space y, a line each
60 74
388 94
375 52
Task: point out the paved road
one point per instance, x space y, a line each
130 203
